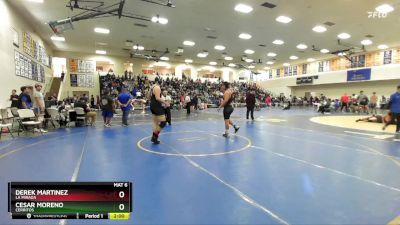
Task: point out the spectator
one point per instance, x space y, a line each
250 104
268 101
89 115
345 102
394 106
187 103
373 103
92 101
38 107
14 99
195 102
167 98
124 100
363 102
24 99
107 106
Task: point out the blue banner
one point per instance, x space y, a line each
359 75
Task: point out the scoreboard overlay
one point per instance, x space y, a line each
70 200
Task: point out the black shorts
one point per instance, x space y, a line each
228 110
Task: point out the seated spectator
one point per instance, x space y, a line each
90 116
325 106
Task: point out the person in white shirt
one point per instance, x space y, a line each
39 107
167 98
187 102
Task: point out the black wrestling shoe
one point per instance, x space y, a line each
236 129
225 135
155 140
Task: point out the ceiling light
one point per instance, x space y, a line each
213 63
344 36
293 57
319 29
57 38
36 1
249 60
138 47
283 19
249 51
163 20
189 43
164 58
245 36
130 64
188 61
366 42
302 46
243 8
219 47
101 30
270 63
228 58
324 51
342 54
310 60
278 42
286 64
101 52
151 66
232 65
202 55
385 8
160 20
382 47
271 54
267 68
251 67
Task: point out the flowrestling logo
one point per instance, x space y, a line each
376 15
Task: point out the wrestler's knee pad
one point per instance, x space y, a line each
163 124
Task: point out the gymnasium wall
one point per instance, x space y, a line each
384 80
386 88
10 20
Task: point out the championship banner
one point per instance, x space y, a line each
359 75
73 65
74 80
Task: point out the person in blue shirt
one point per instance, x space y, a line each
394 106
124 100
24 99
134 91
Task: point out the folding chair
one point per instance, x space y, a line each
27 118
4 124
80 115
15 116
54 115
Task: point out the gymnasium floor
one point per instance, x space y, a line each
280 169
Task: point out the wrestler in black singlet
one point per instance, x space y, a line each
228 108
156 106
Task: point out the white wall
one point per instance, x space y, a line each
386 88
383 80
11 19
